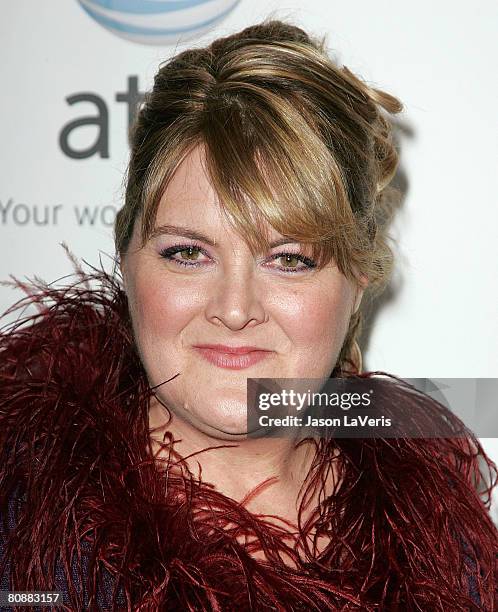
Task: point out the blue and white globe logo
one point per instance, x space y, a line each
158 22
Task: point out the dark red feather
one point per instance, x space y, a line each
408 529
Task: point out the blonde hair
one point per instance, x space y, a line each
290 138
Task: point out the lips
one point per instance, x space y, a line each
232 357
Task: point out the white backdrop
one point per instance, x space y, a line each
440 318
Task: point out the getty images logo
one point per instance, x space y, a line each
158 22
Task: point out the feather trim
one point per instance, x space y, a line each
407 527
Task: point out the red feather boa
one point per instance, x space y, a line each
74 440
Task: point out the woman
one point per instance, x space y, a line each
255 219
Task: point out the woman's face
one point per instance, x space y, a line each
196 285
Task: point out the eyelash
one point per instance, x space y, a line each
173 250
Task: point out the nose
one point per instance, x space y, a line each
235 300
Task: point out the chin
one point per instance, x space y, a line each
230 436
229 417
218 413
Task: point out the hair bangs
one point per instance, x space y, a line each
269 166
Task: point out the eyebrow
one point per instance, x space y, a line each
185 232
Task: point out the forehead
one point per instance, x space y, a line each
190 199
190 182
189 194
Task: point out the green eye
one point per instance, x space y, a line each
289 260
292 262
185 255
191 253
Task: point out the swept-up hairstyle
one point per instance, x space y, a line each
289 137
86 507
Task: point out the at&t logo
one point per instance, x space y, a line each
158 22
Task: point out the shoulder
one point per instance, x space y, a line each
11 511
68 374
78 344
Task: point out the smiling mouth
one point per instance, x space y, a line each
232 358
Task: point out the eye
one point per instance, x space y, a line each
184 254
292 262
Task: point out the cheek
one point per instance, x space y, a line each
160 310
316 320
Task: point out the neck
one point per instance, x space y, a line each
237 468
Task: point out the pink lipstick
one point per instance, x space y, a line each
231 357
